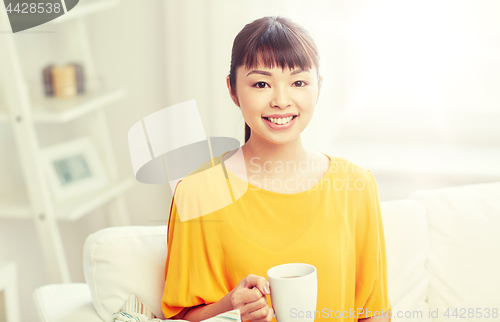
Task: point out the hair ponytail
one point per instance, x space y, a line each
247 132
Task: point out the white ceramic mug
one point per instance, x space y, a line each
294 289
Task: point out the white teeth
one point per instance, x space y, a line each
281 120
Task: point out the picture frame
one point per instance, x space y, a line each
73 168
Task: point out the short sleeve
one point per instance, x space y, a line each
371 266
193 270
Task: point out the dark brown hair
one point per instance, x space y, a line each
279 42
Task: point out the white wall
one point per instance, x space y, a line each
128 47
397 74
420 98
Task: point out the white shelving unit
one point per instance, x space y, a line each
15 204
23 111
9 307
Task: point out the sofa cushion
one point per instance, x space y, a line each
407 248
113 275
464 262
65 302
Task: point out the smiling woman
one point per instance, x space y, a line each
277 104
256 46
276 121
219 262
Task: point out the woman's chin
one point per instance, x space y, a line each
281 139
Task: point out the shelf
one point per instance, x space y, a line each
76 208
84 8
60 110
15 204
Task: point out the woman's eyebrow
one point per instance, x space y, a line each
262 72
297 71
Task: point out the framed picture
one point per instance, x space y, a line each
73 168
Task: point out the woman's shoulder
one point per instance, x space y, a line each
202 190
355 180
345 167
204 166
202 178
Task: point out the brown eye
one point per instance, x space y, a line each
260 84
300 83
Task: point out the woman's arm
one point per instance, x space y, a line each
249 296
203 311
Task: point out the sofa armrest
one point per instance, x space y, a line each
65 303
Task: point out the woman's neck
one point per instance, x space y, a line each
260 152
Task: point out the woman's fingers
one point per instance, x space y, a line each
244 296
260 314
256 305
249 296
259 282
268 318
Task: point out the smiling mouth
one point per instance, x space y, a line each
267 118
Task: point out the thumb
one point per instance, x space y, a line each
260 283
263 286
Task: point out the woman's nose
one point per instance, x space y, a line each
281 98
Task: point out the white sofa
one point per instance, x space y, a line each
443 252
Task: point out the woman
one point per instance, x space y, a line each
296 204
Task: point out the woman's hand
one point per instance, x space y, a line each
249 296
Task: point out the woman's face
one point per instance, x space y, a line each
276 104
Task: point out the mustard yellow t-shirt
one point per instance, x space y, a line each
335 226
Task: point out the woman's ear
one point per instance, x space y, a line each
319 85
234 98
320 82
